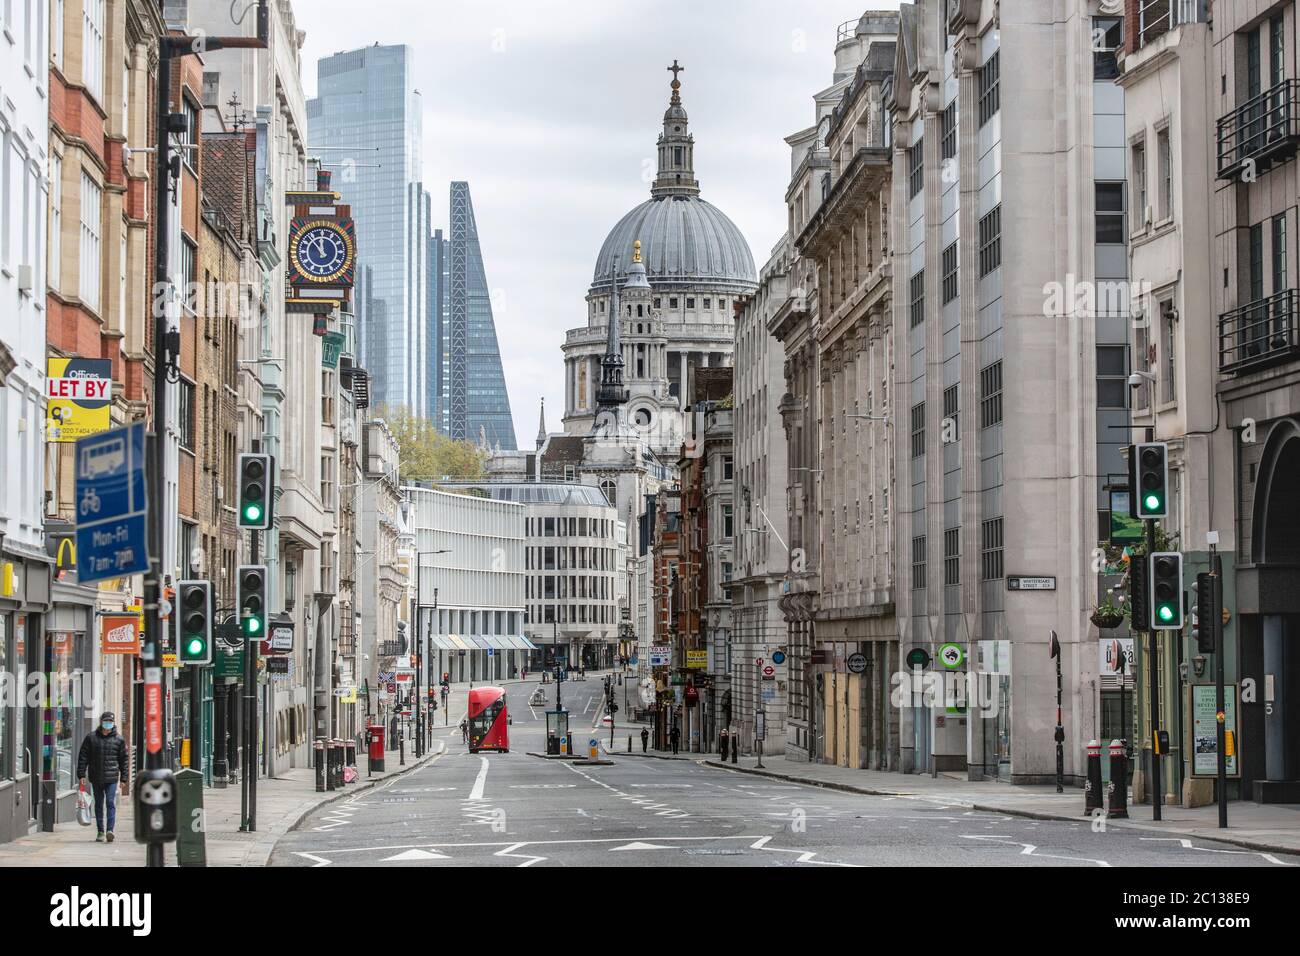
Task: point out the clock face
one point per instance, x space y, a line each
322 252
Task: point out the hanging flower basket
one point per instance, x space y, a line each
1107 616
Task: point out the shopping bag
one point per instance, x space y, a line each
85 809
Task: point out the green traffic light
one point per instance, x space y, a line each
195 647
1151 502
252 625
1166 612
252 512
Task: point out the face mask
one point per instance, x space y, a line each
107 725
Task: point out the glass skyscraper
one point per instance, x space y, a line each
365 124
472 390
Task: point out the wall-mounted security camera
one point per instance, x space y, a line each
1136 378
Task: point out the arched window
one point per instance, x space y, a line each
607 489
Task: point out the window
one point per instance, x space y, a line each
948 126
707 302
56 33
672 302
991 395
1139 163
950 273
91 196
917 298
1141 362
918 430
728 521
1165 185
991 549
1109 212
988 89
918 562
915 168
990 250
951 412
327 397
1112 376
1279 253
190 138
326 486
690 302
92 48
189 265
186 415
1168 365
1107 39
952 556
728 467
658 303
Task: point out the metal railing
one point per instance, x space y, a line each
1264 130
1260 332
1158 17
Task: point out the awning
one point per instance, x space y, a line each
458 644
482 642
443 643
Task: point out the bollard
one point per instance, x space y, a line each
318 754
629 743
1117 794
735 752
331 773
1092 791
338 764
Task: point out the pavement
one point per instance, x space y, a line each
282 803
517 809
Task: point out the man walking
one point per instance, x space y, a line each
675 736
103 763
645 738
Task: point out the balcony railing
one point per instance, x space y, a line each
1262 332
1264 130
1158 17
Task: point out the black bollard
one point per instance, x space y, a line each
318 753
1117 794
735 751
1092 796
328 747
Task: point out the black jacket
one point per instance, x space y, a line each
104 756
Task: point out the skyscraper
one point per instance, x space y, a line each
473 388
365 124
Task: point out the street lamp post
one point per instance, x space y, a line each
419 643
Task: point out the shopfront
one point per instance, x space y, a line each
24 599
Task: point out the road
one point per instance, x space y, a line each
514 809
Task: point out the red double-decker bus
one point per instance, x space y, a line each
488 720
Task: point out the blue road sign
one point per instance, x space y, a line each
111 504
778 657
490 654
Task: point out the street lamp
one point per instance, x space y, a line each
419 636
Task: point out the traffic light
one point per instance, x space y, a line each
1166 591
1149 484
256 490
1139 594
1208 614
251 600
194 622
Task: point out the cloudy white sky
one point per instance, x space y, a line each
550 110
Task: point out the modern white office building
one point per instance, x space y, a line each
470 582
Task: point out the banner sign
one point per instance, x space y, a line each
78 397
119 634
697 660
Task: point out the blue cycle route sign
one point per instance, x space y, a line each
111 505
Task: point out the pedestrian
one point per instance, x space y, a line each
103 763
723 740
645 739
464 730
675 737
524 673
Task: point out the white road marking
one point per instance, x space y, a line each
1188 845
320 860
1029 849
641 846
415 855
805 856
509 851
480 781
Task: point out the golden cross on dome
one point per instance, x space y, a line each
636 251
676 84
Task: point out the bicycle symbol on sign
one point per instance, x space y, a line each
89 502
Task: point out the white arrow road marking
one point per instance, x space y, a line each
1188 845
642 846
480 781
510 851
320 860
1029 849
336 817
415 855
805 856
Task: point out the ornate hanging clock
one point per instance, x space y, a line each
321 252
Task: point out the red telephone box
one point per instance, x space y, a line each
375 735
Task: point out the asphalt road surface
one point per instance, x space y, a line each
513 809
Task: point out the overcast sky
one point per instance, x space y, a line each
550 109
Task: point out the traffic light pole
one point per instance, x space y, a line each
248 792
1221 783
1153 661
